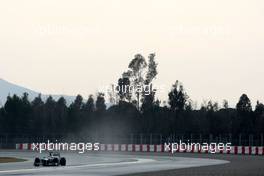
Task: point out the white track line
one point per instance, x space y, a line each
138 161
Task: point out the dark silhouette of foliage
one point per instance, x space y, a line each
93 118
244 104
19 115
245 119
123 89
100 103
89 106
177 97
75 114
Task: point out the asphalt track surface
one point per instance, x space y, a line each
99 164
239 165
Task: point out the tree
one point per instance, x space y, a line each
212 117
177 97
50 115
89 106
27 120
123 88
244 120
75 114
244 104
259 110
212 106
61 111
100 103
78 103
152 69
38 115
149 95
88 109
113 96
137 66
139 74
148 101
259 114
37 101
13 109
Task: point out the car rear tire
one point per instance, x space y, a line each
63 162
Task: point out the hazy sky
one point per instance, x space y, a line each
215 48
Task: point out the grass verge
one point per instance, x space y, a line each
10 160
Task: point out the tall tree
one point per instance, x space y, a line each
148 96
177 97
123 88
152 69
139 75
137 67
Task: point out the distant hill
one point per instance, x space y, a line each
7 88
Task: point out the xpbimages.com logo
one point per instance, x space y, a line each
80 147
211 147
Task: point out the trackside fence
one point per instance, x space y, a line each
9 140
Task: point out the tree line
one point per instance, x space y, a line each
130 112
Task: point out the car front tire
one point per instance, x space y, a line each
37 162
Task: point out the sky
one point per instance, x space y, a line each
215 48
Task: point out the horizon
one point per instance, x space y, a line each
196 106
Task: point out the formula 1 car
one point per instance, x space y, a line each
54 159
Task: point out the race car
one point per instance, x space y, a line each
53 159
